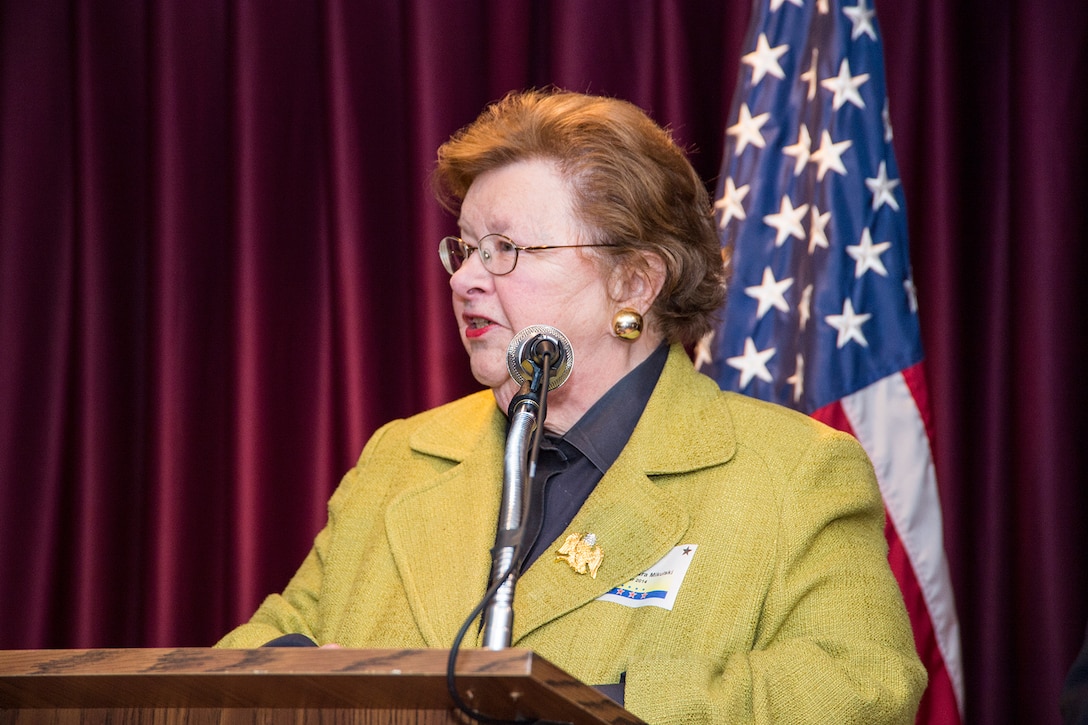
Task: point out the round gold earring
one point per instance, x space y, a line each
627 324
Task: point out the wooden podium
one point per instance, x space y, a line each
289 685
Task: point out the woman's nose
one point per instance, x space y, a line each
470 275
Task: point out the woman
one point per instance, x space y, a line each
739 570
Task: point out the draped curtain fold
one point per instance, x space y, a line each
218 276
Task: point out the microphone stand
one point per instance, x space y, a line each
526 414
535 349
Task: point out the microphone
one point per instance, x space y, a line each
519 511
531 345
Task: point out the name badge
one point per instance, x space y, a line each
658 585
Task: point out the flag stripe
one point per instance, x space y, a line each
887 421
940 700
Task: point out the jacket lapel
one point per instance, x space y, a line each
636 519
635 522
441 531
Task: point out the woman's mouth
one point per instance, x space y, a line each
476 326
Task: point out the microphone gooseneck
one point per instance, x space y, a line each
540 358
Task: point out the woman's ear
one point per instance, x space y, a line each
638 285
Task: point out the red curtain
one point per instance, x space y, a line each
218 275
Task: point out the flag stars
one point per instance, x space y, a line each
800 151
867 255
703 354
829 156
883 188
861 17
809 76
747 129
818 151
849 325
730 204
804 307
787 221
770 293
752 364
764 59
912 294
797 380
817 236
845 86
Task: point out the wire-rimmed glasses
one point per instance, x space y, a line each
498 252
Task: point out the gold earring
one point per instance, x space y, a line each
627 324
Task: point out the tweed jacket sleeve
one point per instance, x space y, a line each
788 611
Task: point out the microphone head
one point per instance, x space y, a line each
529 346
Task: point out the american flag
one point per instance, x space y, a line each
822 314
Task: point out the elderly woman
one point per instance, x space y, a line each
739 566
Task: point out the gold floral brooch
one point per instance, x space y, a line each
581 552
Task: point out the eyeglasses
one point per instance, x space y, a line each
498 253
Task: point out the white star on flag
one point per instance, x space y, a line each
809 76
867 255
912 295
882 188
770 293
804 308
764 59
849 325
817 223
862 19
829 155
730 204
752 364
800 151
787 221
704 355
845 86
746 129
797 380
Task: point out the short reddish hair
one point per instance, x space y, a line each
632 188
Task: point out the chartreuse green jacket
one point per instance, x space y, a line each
788 611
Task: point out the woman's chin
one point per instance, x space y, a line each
491 374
